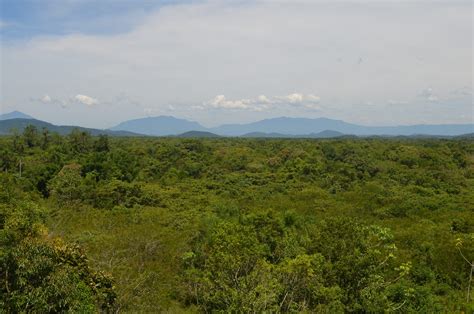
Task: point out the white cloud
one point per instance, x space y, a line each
45 99
221 102
66 101
313 98
312 102
86 100
264 103
263 99
295 98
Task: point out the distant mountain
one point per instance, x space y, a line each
323 134
265 135
159 126
297 126
284 125
466 136
197 134
277 127
326 134
287 127
437 130
14 115
7 126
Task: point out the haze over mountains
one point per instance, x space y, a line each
159 126
10 122
14 115
165 125
276 127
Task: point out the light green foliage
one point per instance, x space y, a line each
43 274
65 187
239 225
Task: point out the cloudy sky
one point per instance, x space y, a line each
96 63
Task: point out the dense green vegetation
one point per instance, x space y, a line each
234 225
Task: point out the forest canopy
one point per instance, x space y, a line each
92 224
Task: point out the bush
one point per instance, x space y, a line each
39 274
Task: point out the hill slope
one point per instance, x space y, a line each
323 134
288 126
14 115
197 134
6 127
159 126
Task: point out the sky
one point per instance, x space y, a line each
96 63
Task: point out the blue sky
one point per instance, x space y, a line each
30 18
97 63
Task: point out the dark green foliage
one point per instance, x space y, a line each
30 135
101 144
80 141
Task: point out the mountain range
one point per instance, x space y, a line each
276 127
298 126
19 124
287 127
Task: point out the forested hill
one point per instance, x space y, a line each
100 224
197 134
272 128
7 126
